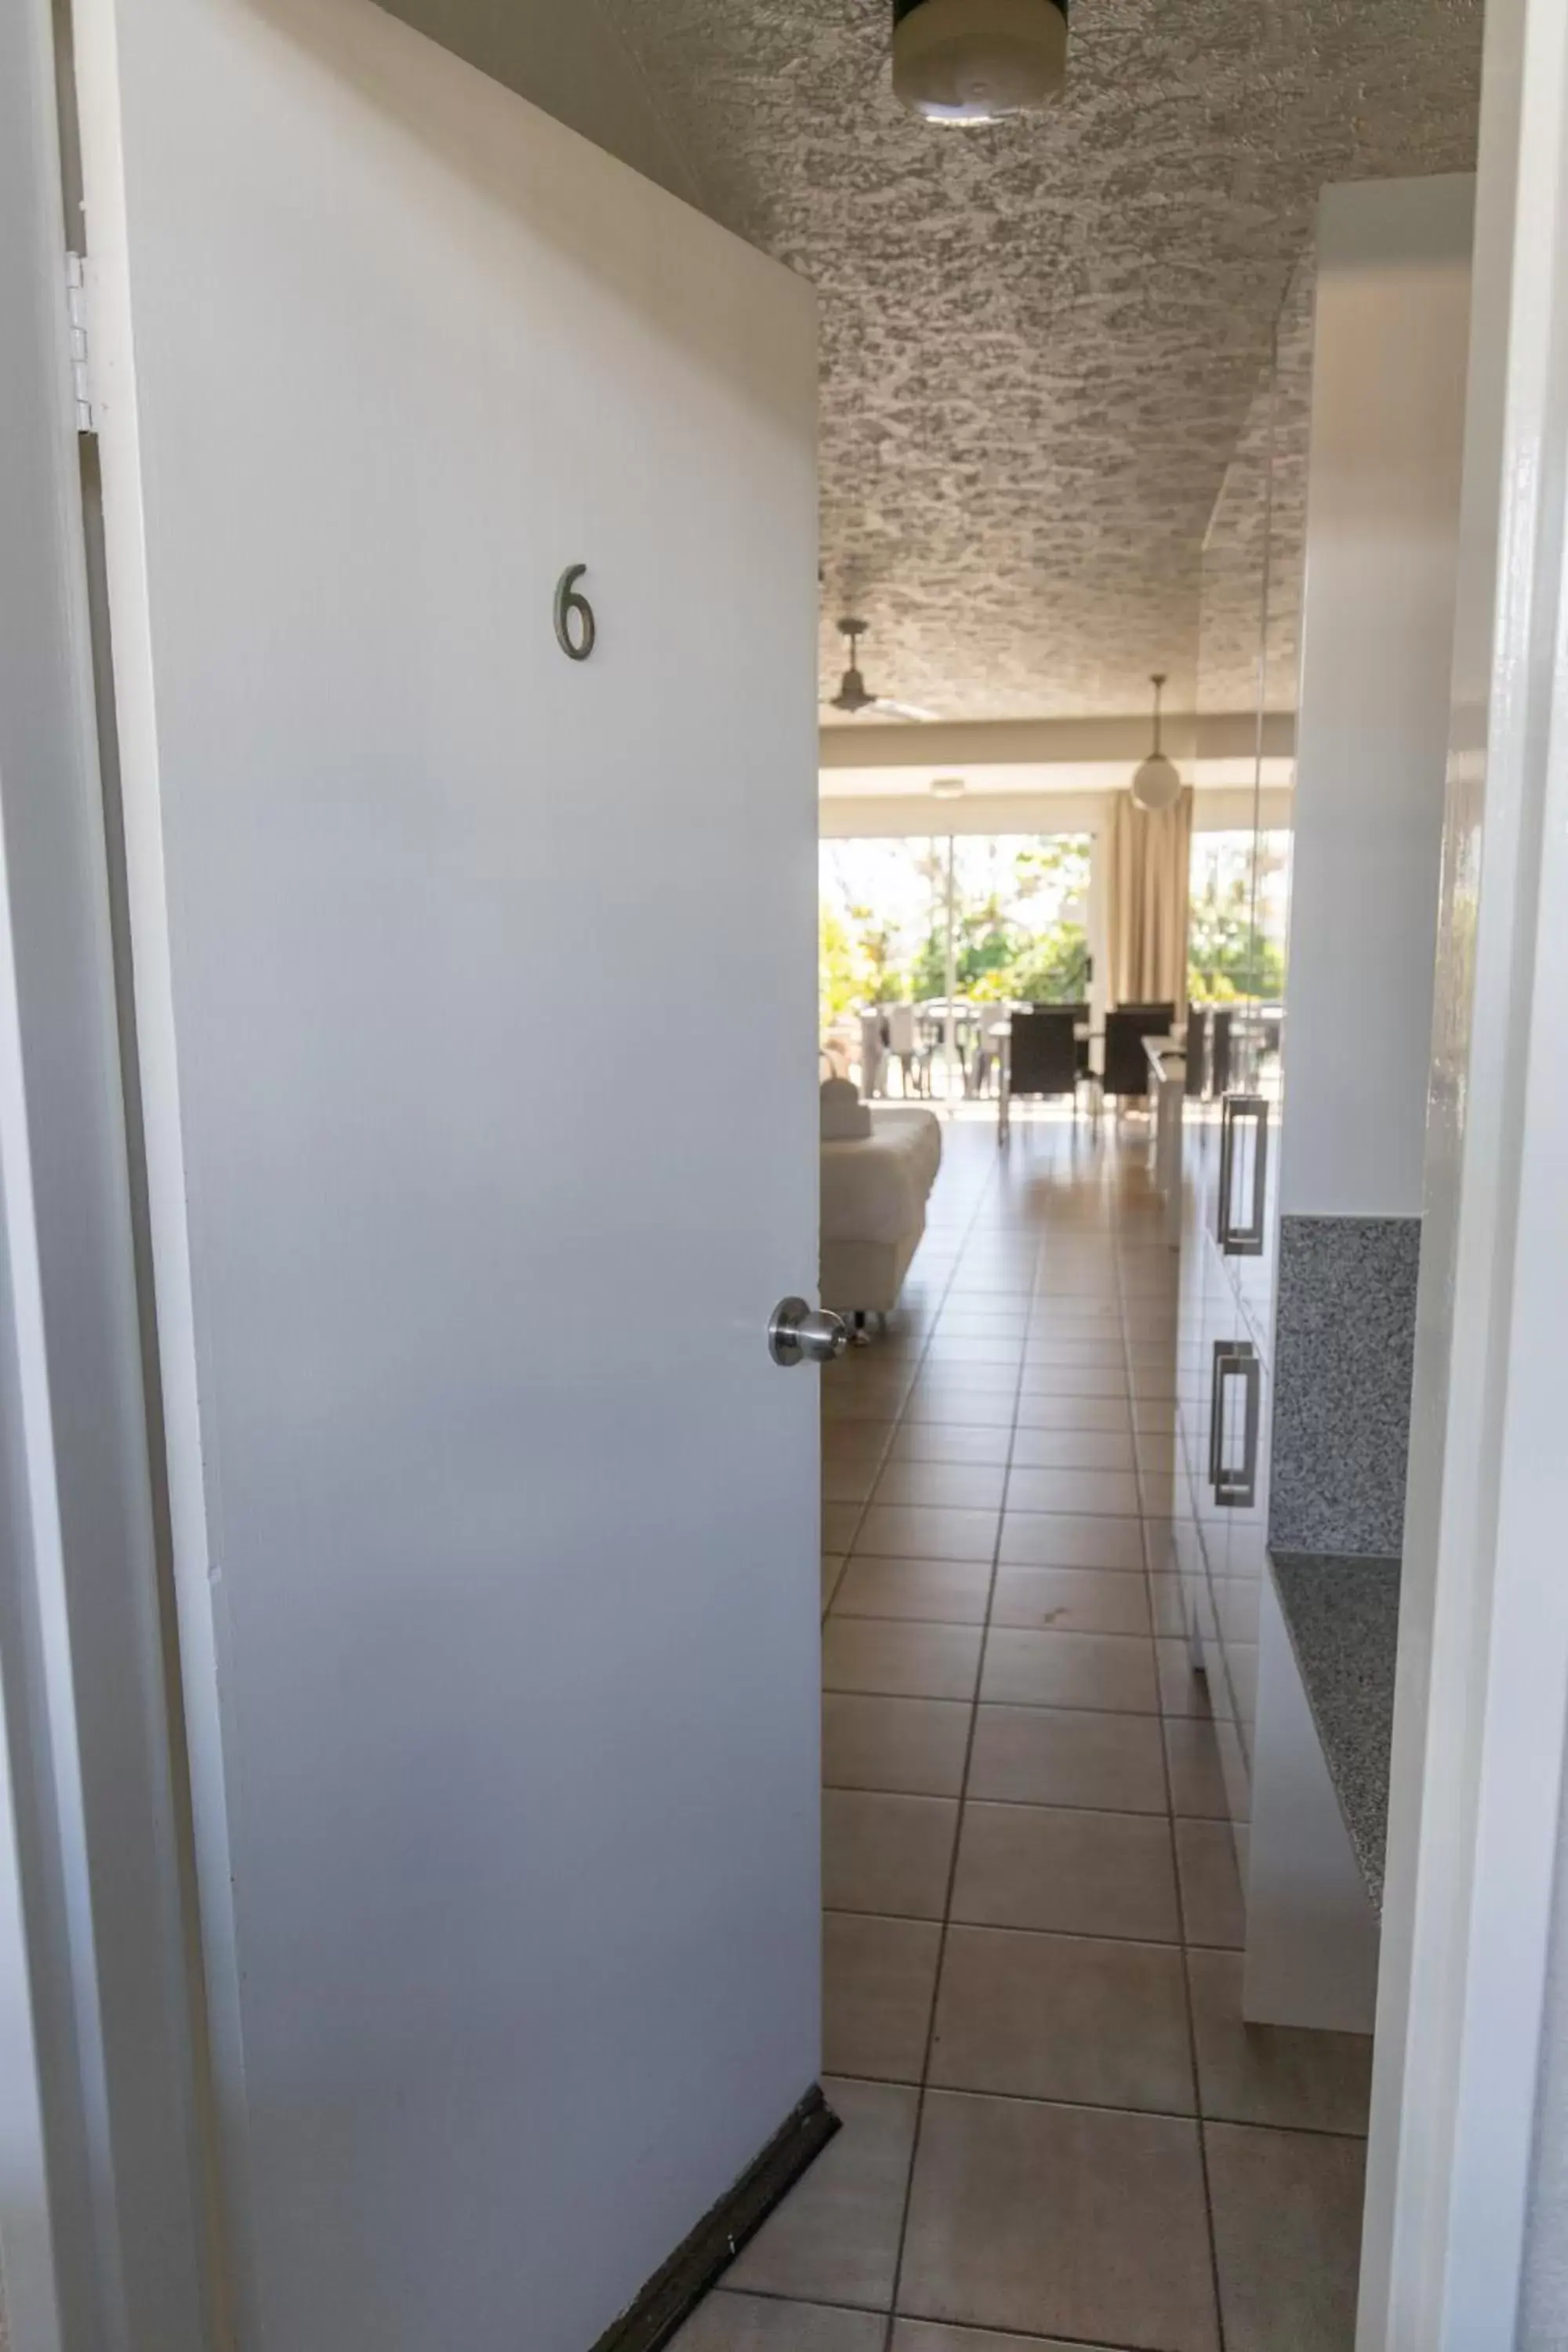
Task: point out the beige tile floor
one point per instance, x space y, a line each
1056 2130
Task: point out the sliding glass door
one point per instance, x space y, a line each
923 939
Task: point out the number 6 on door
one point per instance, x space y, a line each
570 603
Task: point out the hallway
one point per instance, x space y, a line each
1056 2128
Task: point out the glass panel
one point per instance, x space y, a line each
1249 654
1289 437
1232 632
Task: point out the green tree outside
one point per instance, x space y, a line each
985 946
1054 970
1011 939
1227 956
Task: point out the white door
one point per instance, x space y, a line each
476 1008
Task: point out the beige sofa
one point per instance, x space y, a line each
878 1164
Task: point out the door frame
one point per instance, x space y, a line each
1484 1651
102 2203
1480 1713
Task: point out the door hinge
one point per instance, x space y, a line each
80 344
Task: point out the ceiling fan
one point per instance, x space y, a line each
852 695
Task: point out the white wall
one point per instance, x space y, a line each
572 61
1464 2173
1383 524
844 816
1225 745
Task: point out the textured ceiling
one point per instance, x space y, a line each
1041 342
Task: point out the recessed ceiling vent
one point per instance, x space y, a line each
978 61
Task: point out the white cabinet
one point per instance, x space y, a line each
1350 655
1223 1416
1248 659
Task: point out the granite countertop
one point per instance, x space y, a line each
1343 1615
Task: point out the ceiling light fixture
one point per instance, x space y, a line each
968 61
854 696
947 788
1157 784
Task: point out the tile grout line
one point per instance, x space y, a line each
1053 1935
1110 1235
1183 1945
1020 1226
1076 2106
897 1421
993 1185
1023 1705
1032 1805
1038 1227
957 2326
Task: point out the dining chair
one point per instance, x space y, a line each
873 1050
1199 1017
1126 1071
991 1026
904 1045
1042 1060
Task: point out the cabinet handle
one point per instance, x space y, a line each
1235 1485
1238 1239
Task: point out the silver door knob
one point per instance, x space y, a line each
799 1333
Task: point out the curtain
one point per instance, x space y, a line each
1148 869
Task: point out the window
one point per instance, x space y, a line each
1020 903
1241 906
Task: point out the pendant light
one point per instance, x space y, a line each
968 61
1157 784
